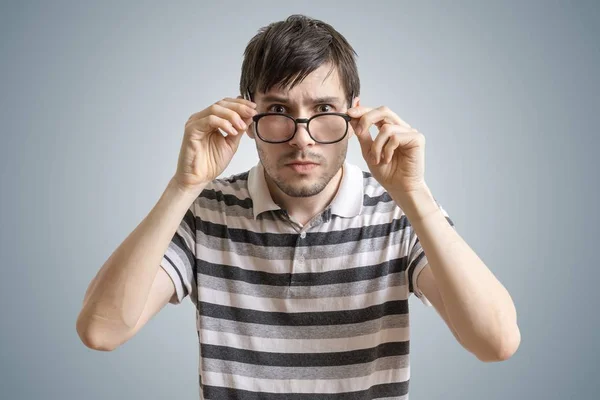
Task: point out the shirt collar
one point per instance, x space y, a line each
347 202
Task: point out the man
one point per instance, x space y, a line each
301 268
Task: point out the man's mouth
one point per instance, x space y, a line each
301 163
302 166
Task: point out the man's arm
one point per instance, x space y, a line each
131 286
475 305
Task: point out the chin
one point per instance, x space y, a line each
301 187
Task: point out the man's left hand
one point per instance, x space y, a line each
396 157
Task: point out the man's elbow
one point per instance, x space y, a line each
506 347
94 338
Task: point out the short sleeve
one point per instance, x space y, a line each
417 260
179 260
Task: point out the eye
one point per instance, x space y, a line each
277 108
321 110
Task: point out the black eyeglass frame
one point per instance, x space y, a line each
297 121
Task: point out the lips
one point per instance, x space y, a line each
302 163
302 167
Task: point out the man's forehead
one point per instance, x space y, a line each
292 97
322 83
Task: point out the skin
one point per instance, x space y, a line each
304 193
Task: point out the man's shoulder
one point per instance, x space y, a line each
237 181
371 186
224 192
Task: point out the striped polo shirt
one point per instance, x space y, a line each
286 311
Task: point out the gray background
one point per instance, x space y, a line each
94 98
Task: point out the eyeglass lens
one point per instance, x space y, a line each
323 128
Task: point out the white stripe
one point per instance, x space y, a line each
188 238
274 226
295 305
281 266
305 386
319 345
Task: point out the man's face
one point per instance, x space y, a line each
281 160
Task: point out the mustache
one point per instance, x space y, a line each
301 156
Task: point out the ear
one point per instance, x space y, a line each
250 130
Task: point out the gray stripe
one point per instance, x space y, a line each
215 206
315 252
338 372
393 281
212 205
304 332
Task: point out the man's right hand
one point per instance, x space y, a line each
205 152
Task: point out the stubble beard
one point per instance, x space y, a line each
300 189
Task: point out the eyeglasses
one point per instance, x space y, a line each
324 128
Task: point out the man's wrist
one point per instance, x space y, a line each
184 191
417 204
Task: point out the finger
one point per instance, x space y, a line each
229 114
376 150
243 101
378 117
233 140
358 111
390 147
242 109
390 137
210 123
364 139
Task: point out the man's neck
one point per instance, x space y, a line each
303 209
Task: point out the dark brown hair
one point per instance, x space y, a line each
283 53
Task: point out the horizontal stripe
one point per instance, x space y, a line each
231 199
275 225
392 391
351 386
306 318
239 186
216 208
397 281
326 257
312 239
298 305
336 372
347 275
227 199
304 332
316 345
305 360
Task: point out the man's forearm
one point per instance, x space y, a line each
116 297
479 307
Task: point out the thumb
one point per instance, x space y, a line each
364 138
234 140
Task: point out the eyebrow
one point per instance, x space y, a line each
316 100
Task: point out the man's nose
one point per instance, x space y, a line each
301 139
